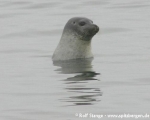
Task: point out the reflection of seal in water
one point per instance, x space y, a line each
76 40
78 86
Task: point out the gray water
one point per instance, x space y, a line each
117 81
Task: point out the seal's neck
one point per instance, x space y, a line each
72 46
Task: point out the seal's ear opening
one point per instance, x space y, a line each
74 22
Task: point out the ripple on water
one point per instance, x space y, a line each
77 86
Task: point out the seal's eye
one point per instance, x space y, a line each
82 23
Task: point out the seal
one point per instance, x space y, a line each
75 42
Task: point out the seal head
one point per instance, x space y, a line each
82 27
75 42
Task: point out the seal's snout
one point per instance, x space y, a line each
96 28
